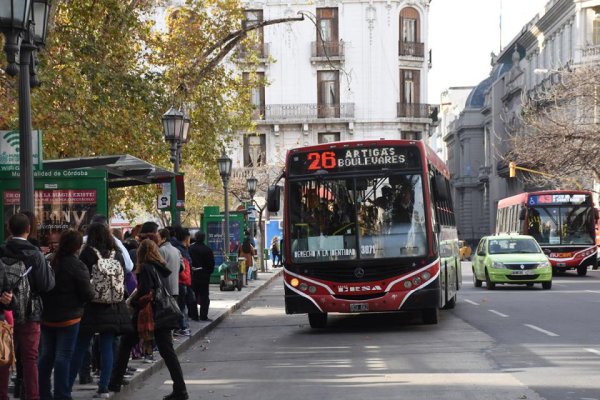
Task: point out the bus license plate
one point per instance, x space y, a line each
359 307
525 272
561 265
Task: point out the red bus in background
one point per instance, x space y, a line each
368 227
564 222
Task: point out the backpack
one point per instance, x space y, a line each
185 276
107 279
23 297
7 347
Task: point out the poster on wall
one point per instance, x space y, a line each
55 211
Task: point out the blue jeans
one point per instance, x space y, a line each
105 343
57 347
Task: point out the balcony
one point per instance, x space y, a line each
261 51
418 110
305 112
411 49
327 51
591 53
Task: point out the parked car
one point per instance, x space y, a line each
511 259
464 250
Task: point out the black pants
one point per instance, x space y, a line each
191 303
201 290
163 341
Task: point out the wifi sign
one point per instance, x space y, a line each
12 138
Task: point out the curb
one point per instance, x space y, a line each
137 379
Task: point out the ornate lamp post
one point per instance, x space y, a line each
224 164
176 126
24 24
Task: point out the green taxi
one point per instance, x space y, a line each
512 259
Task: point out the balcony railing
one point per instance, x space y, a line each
413 49
261 50
277 112
328 49
417 110
591 51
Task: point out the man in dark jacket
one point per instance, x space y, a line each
27 323
203 265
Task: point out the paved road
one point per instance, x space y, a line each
512 343
549 340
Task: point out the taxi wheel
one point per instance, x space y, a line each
547 285
488 282
476 282
582 270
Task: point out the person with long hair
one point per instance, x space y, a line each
62 312
106 319
152 273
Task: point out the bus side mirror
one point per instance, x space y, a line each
273 196
522 215
441 188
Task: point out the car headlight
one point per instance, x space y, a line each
545 264
497 264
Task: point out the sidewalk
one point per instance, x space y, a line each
221 305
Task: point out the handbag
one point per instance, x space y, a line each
167 314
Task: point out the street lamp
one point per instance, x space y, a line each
24 24
224 164
251 186
176 126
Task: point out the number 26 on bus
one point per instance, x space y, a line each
325 160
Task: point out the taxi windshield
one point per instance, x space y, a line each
513 246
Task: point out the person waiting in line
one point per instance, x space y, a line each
151 273
203 265
248 252
275 251
63 309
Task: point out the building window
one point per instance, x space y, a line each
253 17
408 135
327 32
255 150
409 86
596 27
329 137
409 25
328 92
257 94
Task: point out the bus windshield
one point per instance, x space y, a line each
335 219
561 225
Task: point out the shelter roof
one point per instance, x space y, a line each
123 170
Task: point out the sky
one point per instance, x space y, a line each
463 33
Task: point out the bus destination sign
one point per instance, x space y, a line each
553 199
354 159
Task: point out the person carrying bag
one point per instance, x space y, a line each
151 275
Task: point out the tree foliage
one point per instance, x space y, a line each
559 134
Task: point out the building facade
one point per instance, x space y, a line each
565 34
351 70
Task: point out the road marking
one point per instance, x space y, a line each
470 302
498 313
593 351
545 332
593 291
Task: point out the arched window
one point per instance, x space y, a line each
409 25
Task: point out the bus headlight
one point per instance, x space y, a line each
294 282
545 264
303 286
407 284
497 264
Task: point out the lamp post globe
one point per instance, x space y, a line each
251 186
15 18
175 127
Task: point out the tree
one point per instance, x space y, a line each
559 130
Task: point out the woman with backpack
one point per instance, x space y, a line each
107 313
152 274
62 312
247 251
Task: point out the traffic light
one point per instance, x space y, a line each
512 169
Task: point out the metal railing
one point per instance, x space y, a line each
262 50
413 49
328 49
306 111
417 110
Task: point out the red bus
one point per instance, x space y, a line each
368 227
562 221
